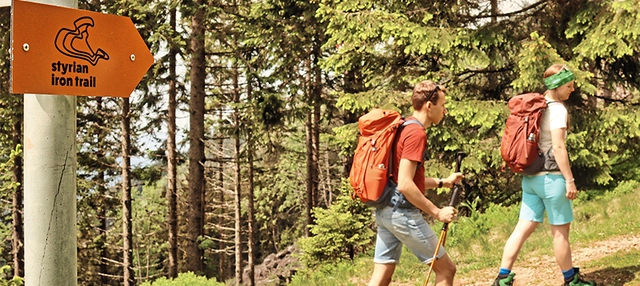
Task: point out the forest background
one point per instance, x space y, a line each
272 90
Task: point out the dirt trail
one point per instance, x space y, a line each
543 270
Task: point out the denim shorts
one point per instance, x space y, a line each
404 226
545 192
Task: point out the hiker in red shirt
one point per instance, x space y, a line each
401 222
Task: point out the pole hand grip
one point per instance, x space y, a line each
456 190
455 196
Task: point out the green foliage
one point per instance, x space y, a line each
370 27
5 236
475 127
609 214
605 145
11 109
535 57
331 274
393 46
341 231
185 279
279 195
480 233
15 281
474 230
626 187
149 212
344 138
610 34
365 101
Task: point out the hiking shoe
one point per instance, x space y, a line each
504 281
576 280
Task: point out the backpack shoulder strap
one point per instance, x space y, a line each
401 198
393 145
412 121
395 139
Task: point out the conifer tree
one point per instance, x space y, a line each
195 228
11 189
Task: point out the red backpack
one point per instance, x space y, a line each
372 159
519 147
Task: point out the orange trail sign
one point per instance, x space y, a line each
58 50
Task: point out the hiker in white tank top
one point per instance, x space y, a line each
555 117
550 191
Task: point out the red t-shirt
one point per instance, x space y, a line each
410 145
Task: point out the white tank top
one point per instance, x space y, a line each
554 117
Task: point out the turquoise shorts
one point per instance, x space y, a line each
545 192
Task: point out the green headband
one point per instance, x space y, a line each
558 79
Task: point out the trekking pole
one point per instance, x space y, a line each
455 199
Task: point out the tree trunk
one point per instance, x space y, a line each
494 11
309 151
315 127
493 53
195 215
309 177
172 157
238 189
314 92
129 278
17 206
101 243
222 264
251 211
328 199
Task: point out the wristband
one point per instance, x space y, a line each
439 183
569 181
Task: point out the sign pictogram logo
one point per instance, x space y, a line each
59 50
75 43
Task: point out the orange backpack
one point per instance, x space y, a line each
372 159
519 146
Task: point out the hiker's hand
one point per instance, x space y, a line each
572 190
454 178
447 214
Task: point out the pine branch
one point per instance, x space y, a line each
525 9
625 102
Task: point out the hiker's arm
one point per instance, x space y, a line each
408 188
562 159
454 178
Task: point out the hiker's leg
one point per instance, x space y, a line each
561 246
418 236
445 271
523 229
531 214
388 249
382 274
560 213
